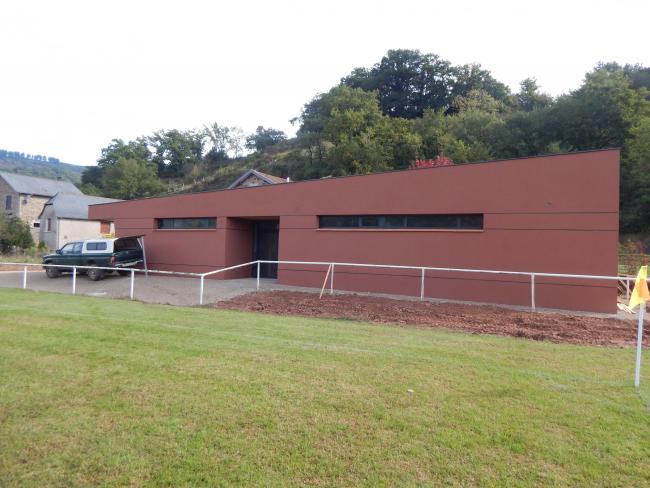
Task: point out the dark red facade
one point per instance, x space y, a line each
555 214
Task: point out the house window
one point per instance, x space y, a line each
49 225
436 221
8 202
36 224
187 223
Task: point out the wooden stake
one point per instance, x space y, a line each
322 290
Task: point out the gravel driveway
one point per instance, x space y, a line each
171 290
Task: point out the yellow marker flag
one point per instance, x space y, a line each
640 293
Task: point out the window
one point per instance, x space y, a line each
72 248
440 221
49 225
36 224
96 246
187 223
67 249
8 202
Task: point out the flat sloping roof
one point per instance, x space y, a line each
454 167
31 185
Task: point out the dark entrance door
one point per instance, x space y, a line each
265 246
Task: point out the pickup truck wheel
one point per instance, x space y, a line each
95 274
52 272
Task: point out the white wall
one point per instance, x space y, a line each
66 230
78 230
49 238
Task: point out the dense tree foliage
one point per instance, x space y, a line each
263 138
409 106
14 232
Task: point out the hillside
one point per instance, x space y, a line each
43 167
285 159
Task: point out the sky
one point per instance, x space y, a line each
76 74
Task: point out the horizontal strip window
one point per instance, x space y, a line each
187 223
439 221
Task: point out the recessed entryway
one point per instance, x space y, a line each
266 235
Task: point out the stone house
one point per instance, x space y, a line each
24 197
64 218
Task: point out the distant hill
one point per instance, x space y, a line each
37 165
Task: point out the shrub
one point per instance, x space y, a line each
15 233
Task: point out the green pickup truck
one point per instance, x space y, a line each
121 252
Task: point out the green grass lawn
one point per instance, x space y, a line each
105 392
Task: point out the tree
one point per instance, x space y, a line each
601 112
407 81
92 176
527 133
345 131
477 99
530 98
263 138
118 149
131 178
224 143
635 178
14 232
470 77
176 152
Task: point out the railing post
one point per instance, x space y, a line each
639 344
201 290
258 275
74 280
24 277
132 280
532 291
422 285
332 281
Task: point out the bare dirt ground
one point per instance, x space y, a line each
19 267
476 319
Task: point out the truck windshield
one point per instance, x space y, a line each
126 244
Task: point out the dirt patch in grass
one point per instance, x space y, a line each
476 319
19 267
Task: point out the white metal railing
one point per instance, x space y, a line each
103 268
331 267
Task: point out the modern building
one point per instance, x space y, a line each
24 196
555 214
64 218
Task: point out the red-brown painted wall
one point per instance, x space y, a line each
554 214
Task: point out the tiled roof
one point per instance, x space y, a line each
266 178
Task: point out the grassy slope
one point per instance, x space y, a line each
114 392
